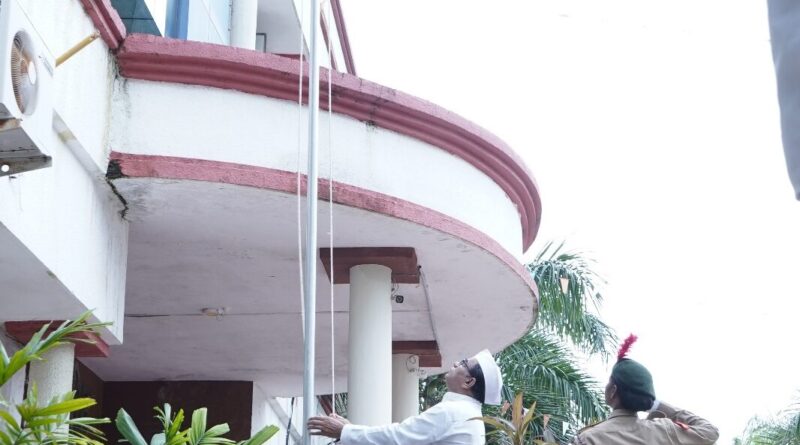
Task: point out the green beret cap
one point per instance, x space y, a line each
633 376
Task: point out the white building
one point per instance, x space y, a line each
170 208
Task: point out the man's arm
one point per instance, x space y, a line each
691 429
423 429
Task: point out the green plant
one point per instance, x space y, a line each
517 430
47 422
568 290
195 434
783 429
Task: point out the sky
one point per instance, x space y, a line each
652 130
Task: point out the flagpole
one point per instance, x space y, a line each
310 261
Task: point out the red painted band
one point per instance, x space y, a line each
155 58
107 21
145 166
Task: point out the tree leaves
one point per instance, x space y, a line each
50 423
783 429
538 366
127 428
262 436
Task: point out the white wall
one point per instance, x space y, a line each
83 84
67 215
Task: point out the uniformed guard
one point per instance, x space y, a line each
470 383
630 390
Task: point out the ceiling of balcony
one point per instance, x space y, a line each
196 245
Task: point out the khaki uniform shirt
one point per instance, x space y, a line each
624 427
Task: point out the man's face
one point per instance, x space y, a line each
458 378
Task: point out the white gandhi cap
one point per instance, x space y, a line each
491 376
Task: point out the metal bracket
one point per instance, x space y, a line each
13 166
18 153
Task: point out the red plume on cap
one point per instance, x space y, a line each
626 346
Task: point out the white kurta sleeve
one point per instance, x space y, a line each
418 430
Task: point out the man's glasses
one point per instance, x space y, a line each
465 364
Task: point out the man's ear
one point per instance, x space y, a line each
469 383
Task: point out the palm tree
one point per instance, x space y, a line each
540 364
568 294
783 429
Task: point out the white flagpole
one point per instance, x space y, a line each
310 264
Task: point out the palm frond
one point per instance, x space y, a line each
567 312
783 429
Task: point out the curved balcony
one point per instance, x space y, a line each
205 151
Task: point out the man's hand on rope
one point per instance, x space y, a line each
328 426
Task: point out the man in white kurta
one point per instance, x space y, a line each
469 382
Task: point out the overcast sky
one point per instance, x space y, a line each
652 130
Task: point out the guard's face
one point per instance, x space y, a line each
458 377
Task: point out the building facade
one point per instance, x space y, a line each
170 208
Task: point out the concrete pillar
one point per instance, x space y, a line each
405 386
244 17
53 374
370 357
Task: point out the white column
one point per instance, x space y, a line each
53 374
405 386
244 17
369 400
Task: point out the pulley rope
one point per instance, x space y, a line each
301 52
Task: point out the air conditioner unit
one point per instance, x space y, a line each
26 79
